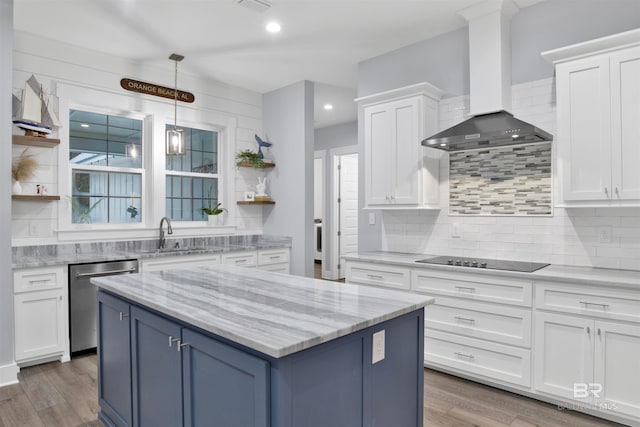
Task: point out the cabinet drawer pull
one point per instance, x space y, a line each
275 257
373 276
183 344
33 282
241 261
587 304
465 319
466 355
465 288
123 315
172 340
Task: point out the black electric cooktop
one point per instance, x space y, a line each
492 264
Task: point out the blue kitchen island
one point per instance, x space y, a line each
236 347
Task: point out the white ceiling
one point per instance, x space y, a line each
321 40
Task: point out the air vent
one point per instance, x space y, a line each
257 5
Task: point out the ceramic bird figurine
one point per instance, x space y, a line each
261 144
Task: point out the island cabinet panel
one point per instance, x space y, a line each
114 360
223 386
339 384
156 363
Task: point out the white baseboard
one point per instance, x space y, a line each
9 374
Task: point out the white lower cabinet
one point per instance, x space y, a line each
378 275
587 358
479 325
576 344
183 261
40 307
242 259
276 260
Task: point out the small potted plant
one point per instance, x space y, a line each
214 214
249 158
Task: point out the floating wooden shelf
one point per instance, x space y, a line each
34 198
35 141
249 165
260 202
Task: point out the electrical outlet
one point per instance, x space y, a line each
372 218
604 235
33 229
455 230
377 353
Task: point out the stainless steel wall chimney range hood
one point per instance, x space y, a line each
491 125
487 130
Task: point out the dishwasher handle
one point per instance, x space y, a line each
106 273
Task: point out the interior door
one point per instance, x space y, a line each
347 206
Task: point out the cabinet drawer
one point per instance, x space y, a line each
473 286
492 361
273 256
278 268
243 259
187 261
380 275
609 303
507 325
38 279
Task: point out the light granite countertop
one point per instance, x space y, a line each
553 272
77 253
273 313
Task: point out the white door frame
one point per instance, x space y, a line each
334 215
322 154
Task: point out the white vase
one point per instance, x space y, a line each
17 188
215 220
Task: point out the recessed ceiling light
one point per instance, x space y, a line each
328 107
273 27
84 125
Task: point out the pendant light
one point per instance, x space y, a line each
175 144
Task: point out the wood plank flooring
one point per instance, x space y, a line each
65 395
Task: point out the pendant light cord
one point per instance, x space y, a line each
175 99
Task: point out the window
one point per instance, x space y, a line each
192 180
105 155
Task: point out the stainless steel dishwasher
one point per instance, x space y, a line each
82 300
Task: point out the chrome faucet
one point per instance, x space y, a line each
162 242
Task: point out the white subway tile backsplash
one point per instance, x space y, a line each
569 236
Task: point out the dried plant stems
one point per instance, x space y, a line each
24 168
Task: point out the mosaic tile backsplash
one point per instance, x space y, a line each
501 181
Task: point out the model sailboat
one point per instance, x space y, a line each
33 114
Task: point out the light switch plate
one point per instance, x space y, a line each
377 353
372 218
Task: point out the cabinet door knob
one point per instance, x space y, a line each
606 191
180 345
172 340
599 332
588 330
123 315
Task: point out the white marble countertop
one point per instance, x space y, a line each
78 253
275 314
553 272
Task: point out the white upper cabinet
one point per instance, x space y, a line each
598 106
399 171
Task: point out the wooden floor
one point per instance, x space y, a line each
65 394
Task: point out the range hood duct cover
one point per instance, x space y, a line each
485 131
490 76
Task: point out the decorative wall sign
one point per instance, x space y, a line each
501 181
156 90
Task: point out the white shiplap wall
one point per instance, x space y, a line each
79 77
570 236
